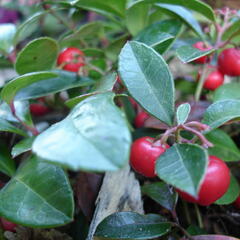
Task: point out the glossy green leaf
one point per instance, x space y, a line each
160 35
65 80
7 165
25 29
88 30
38 55
188 53
233 30
224 147
22 146
6 126
11 88
38 195
221 112
88 137
136 18
184 14
7 32
232 193
195 5
183 166
162 194
103 85
182 113
130 225
148 79
105 7
227 91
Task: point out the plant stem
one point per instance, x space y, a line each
183 231
200 83
199 217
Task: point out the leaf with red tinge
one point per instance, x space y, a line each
214 237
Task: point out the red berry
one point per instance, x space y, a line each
229 62
39 109
140 119
213 80
8 226
144 154
214 185
72 59
201 46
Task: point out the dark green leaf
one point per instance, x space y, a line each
105 7
103 85
113 49
38 55
10 89
232 193
93 137
25 29
136 18
224 147
7 32
22 146
221 112
88 30
162 194
7 165
189 53
227 91
184 14
65 80
130 225
195 5
183 166
5 126
182 113
39 195
158 33
148 80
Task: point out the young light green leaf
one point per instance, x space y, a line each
227 91
182 113
7 165
38 55
130 225
7 32
162 194
232 193
65 80
5 126
160 35
189 53
183 166
221 112
39 195
195 5
22 146
148 79
93 137
11 88
224 147
184 14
